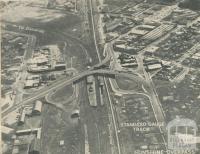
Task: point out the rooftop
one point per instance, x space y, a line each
138 31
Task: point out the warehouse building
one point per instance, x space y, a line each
33 77
138 32
151 50
37 108
131 65
22 117
37 69
146 27
31 83
39 60
125 48
36 131
153 67
60 66
113 25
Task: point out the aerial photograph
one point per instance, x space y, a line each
100 76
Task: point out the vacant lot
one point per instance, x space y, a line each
58 126
134 109
54 23
63 94
126 83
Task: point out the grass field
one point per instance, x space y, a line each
133 109
53 22
128 84
62 94
58 126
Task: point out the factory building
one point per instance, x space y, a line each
151 50
124 48
38 59
31 83
131 65
113 25
36 131
33 77
60 66
46 59
152 67
38 69
37 109
146 27
22 117
138 32
24 132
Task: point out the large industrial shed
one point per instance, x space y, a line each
37 109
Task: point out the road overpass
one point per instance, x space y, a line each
63 82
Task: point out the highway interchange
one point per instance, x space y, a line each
96 69
102 124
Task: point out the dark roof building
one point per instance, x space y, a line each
22 117
111 26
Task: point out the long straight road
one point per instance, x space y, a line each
19 84
155 102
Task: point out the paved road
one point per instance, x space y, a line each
63 82
28 54
154 99
159 113
19 84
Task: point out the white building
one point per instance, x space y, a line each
152 67
31 83
33 77
37 108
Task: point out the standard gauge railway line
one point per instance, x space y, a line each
91 16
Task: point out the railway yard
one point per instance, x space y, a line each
99 77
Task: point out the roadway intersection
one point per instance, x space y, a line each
99 129
110 120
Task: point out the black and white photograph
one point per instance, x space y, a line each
100 76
